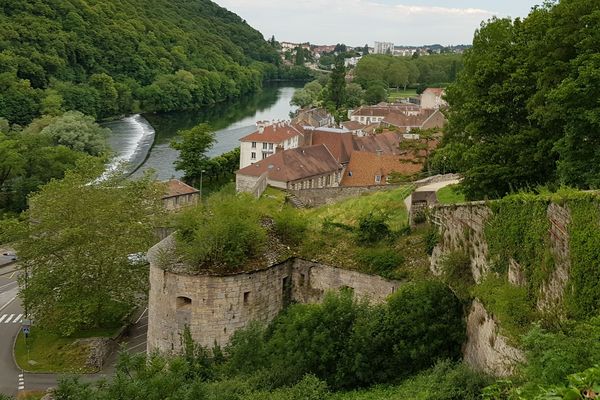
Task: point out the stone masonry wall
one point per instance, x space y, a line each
323 196
214 307
462 226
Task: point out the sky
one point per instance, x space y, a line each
356 22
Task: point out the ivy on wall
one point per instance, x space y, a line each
519 230
582 296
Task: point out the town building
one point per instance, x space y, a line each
313 117
179 195
383 48
298 168
433 98
428 119
367 169
268 136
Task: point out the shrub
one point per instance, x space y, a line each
431 237
223 234
456 271
372 228
290 226
381 261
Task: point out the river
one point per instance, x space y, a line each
142 141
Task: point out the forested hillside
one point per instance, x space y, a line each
107 57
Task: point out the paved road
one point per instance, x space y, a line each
12 379
10 316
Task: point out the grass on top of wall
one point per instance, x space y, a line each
450 195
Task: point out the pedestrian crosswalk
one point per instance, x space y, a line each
11 318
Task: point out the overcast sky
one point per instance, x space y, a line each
356 22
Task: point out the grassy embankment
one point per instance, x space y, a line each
450 195
49 352
332 233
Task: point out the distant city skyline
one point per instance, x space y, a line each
356 22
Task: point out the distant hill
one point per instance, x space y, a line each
107 57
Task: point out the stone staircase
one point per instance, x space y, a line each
295 201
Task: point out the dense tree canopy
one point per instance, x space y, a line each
108 57
77 274
403 71
525 109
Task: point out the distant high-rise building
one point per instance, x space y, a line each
384 48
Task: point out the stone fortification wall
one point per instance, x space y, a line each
462 227
214 307
323 196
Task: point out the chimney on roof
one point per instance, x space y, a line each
379 152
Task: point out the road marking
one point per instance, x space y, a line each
137 345
144 312
139 336
8 318
142 326
6 305
8 284
21 384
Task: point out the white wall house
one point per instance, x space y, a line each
432 98
266 139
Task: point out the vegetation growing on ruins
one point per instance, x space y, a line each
369 233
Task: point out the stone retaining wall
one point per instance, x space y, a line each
214 307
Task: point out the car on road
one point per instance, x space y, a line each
11 256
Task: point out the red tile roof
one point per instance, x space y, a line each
352 125
386 143
276 133
294 164
364 167
339 144
177 188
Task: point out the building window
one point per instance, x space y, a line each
349 173
183 303
377 178
270 146
265 155
246 298
253 156
264 146
253 145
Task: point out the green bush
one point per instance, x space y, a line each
372 228
222 234
456 271
381 261
350 344
431 237
290 226
508 303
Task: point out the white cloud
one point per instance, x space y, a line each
359 21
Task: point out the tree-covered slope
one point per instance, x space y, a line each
105 57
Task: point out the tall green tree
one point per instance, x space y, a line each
74 245
526 104
337 84
193 145
78 132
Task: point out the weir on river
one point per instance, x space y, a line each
143 141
